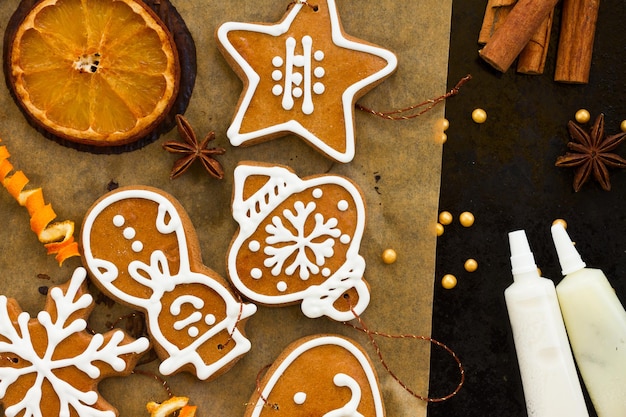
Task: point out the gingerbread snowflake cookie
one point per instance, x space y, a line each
51 366
141 250
302 75
323 375
298 241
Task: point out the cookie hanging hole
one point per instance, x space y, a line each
10 359
220 347
346 301
313 7
266 403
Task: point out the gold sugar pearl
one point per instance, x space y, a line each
466 218
622 126
479 116
439 229
448 281
471 265
389 256
445 218
582 116
444 138
562 222
445 124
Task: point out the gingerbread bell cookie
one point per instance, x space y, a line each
323 375
302 75
298 241
51 366
141 250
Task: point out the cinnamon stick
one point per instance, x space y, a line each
578 27
510 39
495 14
532 59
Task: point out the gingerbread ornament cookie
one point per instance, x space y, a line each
51 366
302 75
141 250
323 375
298 241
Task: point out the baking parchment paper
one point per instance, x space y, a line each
397 165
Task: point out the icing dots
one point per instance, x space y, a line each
301 74
299 398
128 233
146 262
118 220
298 240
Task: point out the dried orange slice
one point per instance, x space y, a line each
97 72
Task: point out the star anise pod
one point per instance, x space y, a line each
591 154
191 150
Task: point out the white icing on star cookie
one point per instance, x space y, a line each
302 75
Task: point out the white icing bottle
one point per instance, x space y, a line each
549 378
596 325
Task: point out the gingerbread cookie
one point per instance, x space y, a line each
301 75
298 241
322 375
51 366
141 250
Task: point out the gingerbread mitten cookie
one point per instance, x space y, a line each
298 241
302 75
141 249
323 375
51 366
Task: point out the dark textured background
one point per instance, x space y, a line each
503 171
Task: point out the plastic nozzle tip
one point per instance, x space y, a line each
522 259
569 258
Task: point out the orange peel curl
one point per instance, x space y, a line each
170 406
58 237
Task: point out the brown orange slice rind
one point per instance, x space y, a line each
95 72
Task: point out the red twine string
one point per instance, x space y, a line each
266 402
399 114
370 334
232 332
157 378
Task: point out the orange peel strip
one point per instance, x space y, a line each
188 411
170 406
57 237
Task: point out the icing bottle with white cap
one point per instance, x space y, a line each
549 378
596 325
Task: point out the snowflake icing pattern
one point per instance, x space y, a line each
29 349
283 242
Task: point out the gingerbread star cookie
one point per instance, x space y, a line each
301 75
298 241
141 250
51 366
322 375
